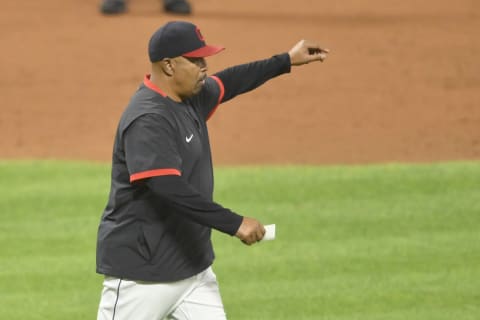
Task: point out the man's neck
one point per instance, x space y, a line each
165 84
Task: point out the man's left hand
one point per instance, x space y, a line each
307 51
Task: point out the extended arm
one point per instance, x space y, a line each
246 77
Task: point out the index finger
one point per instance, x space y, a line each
317 50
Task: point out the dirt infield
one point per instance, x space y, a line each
402 82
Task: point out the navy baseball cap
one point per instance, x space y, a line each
179 38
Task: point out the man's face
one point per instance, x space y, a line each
190 75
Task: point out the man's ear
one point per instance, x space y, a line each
168 66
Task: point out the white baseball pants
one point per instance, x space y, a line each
195 298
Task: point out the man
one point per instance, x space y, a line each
180 7
154 245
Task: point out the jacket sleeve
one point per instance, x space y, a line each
186 201
246 77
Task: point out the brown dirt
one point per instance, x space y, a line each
402 82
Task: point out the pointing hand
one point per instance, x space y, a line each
307 51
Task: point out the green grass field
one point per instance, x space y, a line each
360 242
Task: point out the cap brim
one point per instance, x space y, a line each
203 52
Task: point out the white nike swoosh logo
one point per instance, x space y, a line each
188 139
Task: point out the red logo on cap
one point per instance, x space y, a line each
199 34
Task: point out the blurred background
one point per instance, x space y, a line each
402 82
387 241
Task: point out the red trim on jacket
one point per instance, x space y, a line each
222 93
149 84
154 173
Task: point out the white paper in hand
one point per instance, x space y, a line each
269 232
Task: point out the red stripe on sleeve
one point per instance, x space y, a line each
220 97
154 173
